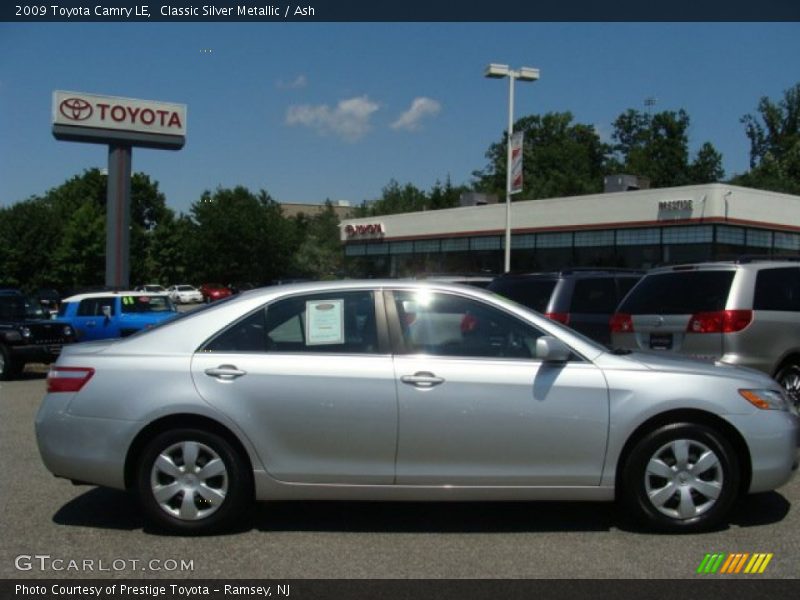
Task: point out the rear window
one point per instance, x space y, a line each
533 293
679 293
778 289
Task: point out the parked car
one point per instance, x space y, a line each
50 300
153 288
183 294
214 291
104 315
583 299
481 280
27 340
745 313
381 390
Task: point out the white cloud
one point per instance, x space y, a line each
420 109
300 81
350 119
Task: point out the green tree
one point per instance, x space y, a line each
559 158
657 147
774 135
240 236
319 255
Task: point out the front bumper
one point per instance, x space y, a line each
773 438
42 353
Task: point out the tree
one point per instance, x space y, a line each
319 255
657 147
774 136
239 236
396 198
559 158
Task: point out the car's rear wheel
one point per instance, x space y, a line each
681 477
193 481
789 378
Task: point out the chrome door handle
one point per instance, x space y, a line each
225 372
422 379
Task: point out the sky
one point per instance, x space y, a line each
315 111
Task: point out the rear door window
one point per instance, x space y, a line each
596 295
777 289
679 293
533 293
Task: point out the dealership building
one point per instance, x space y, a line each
637 229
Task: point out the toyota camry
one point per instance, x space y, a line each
405 391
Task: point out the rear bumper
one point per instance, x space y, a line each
80 448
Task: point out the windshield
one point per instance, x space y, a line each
12 307
147 304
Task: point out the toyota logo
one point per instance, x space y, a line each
76 109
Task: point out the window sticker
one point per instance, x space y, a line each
324 322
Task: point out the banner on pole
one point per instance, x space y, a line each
516 163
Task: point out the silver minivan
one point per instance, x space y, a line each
745 313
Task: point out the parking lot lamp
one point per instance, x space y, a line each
497 71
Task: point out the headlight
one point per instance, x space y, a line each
766 399
25 332
68 331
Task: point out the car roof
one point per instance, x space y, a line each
572 272
79 297
725 265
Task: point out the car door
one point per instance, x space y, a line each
96 318
475 407
310 379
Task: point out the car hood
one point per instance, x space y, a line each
674 363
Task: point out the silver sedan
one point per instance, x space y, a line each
405 391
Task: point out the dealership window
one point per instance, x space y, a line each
355 250
455 245
485 243
730 235
787 241
759 238
594 238
373 249
554 240
401 248
426 246
688 235
524 241
638 237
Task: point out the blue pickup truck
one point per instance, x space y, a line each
102 315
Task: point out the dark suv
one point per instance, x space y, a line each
583 299
24 340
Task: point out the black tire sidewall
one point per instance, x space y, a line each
237 499
635 495
9 370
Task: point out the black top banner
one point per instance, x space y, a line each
398 10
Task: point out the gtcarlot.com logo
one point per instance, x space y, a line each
734 564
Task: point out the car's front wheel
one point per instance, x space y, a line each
193 481
789 378
681 477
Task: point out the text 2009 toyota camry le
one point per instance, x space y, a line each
405 391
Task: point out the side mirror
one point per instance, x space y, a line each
550 349
107 312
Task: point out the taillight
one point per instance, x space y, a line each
621 323
562 318
721 321
67 379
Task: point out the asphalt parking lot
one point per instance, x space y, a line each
45 516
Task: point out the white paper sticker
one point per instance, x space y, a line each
324 322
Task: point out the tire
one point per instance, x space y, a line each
8 369
665 496
789 378
192 481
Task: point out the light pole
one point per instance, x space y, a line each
495 71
